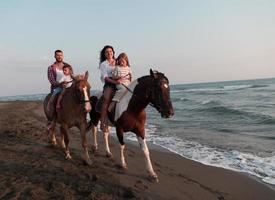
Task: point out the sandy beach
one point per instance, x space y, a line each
30 168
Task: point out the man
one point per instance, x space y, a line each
56 67
55 73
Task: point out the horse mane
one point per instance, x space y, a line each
78 77
149 77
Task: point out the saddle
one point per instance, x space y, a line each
115 108
119 102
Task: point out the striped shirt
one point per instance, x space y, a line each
124 73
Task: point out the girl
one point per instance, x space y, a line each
122 71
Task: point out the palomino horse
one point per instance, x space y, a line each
74 108
154 90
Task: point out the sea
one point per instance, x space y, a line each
224 124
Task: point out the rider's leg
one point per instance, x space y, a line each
50 102
107 95
50 106
59 98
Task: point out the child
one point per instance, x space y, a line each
65 81
122 71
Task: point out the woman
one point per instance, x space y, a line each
107 66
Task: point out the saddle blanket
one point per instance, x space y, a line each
122 99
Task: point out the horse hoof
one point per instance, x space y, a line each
124 166
109 155
62 144
88 162
52 142
94 148
153 178
68 157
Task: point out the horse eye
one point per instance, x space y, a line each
165 85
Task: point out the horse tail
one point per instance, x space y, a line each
94 115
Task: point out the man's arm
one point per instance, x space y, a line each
51 77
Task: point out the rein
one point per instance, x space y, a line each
151 104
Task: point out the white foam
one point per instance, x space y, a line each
261 167
224 88
236 87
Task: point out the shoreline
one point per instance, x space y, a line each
161 149
23 144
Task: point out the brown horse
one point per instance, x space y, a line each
130 113
74 108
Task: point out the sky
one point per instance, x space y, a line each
189 40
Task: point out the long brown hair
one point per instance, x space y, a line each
102 53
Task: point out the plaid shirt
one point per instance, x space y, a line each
52 76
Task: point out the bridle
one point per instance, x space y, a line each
80 99
154 105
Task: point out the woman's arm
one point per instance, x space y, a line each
109 80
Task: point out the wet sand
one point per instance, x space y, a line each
30 168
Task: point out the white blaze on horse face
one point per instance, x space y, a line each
87 103
165 85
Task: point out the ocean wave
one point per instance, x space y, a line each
261 167
224 88
34 97
258 166
215 108
184 99
176 91
211 102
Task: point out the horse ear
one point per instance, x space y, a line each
152 74
86 75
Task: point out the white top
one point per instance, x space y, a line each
124 73
67 78
106 70
59 74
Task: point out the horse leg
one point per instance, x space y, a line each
52 135
64 132
86 156
143 145
106 141
94 131
62 143
119 134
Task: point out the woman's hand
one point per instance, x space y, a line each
119 81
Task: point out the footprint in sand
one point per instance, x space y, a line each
141 186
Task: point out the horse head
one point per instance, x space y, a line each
82 90
160 94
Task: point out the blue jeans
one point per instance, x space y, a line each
119 86
57 91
